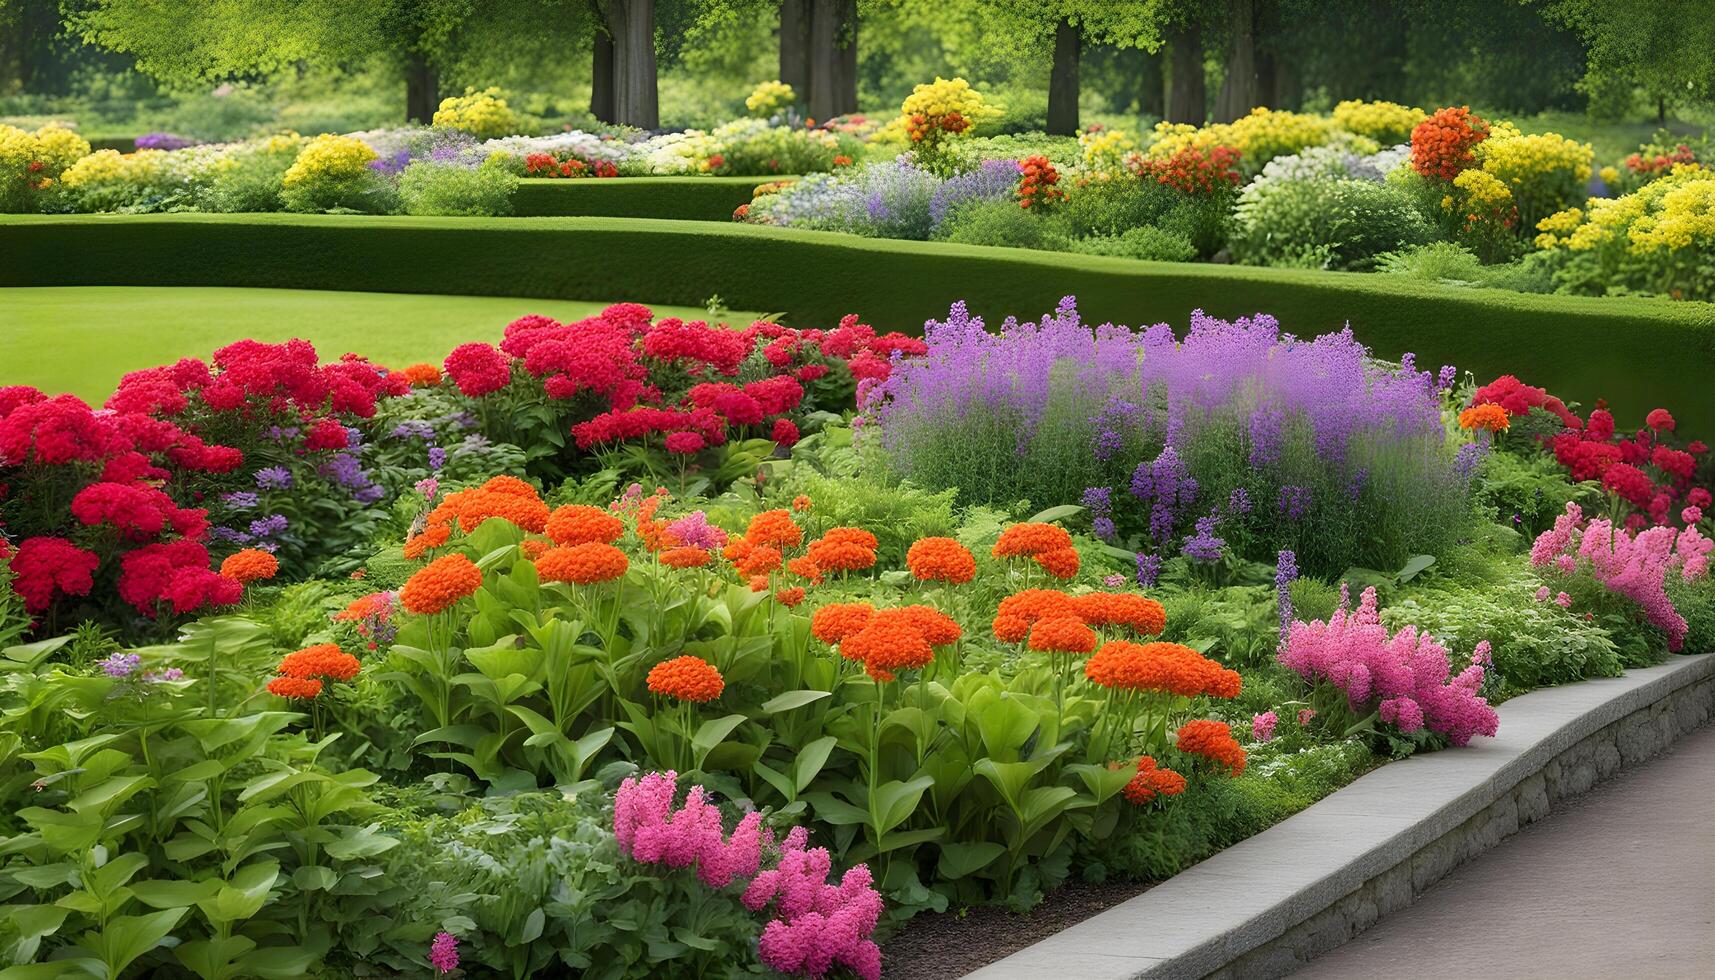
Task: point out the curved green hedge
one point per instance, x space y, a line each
689 198
1636 353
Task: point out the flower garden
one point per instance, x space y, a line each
639 642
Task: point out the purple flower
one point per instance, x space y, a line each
1100 500
240 499
1104 528
1285 571
1204 546
1239 501
437 457
267 527
444 952
1148 570
1266 430
1356 488
274 478
280 433
1469 458
413 429
1294 502
1444 381
428 487
159 676
1166 485
221 532
120 664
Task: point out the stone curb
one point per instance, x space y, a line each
1265 906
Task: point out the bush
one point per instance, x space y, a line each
253 178
1143 242
31 162
998 222
1115 206
1450 263
332 173
450 189
1346 224
483 114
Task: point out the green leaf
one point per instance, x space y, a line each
713 732
1057 513
793 699
811 759
315 877
895 801
1417 564
959 860
127 937
174 894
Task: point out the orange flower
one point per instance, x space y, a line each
581 523
1062 634
776 528
1031 539
789 597
805 567
1060 562
511 485
295 687
583 564
843 549
534 547
1140 613
941 560
686 678
888 643
686 557
801 503
321 660
850 535
250 565
760 561
423 375
433 536
1150 782
440 584
471 507
759 583
1018 611
1170 668
938 628
1490 416
1213 740
737 549
838 620
373 604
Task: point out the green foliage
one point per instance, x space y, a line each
448 189
1452 264
1334 224
1143 242
1529 490
1696 602
365 193
1001 223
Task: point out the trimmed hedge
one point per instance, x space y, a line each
1636 353
688 198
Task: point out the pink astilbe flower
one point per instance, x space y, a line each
444 952
1629 563
1262 726
1405 676
817 925
651 831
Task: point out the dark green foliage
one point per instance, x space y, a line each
1696 602
686 198
1143 242
1330 224
1000 222
1529 491
1668 354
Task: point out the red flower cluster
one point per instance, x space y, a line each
1637 163
547 165
1519 398
1193 170
1441 145
1036 185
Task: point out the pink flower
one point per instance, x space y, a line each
1262 726
1305 715
1691 515
684 442
1659 420
1542 594
444 952
1563 600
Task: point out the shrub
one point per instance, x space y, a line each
31 162
1345 224
1142 242
333 173
997 222
770 99
483 114
1545 173
1258 137
252 178
450 189
1656 239
1388 123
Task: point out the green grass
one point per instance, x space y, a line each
1636 353
82 339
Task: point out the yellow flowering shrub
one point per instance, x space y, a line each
329 157
1104 151
483 114
1259 137
770 98
1388 123
938 113
60 148
1659 238
30 162
1545 172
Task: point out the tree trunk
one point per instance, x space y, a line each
1186 99
422 90
636 100
833 58
1152 85
795 46
1239 90
601 76
1063 81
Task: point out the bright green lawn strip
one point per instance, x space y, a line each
83 339
1637 353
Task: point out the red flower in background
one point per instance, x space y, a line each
1441 145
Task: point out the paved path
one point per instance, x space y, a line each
1620 884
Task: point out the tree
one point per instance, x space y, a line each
630 24
1241 86
1664 48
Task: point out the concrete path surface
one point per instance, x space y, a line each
1619 884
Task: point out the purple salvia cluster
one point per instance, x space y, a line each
1204 546
1100 501
993 180
1469 458
817 926
270 526
120 664
1405 677
1239 501
274 478
1285 573
163 141
1167 487
1148 570
1355 488
1444 381
1294 502
240 499
437 457
346 470
413 429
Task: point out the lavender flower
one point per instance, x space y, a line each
1239 501
1285 571
1148 570
1204 546
161 676
1166 486
1294 502
1444 381
1104 528
281 433
221 532
267 527
1355 489
120 664
274 478
1469 458
437 457
240 499
993 180
413 429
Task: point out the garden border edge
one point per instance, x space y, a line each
1268 905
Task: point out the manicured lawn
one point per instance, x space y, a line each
82 339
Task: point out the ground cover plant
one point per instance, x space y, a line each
320 666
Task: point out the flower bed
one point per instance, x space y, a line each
469 694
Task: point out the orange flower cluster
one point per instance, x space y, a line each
1213 740
941 560
1151 782
774 528
1036 183
1062 634
433 536
294 687
505 497
321 660
838 620
423 375
758 559
373 605
581 523
1441 145
686 678
1489 416
892 640
805 567
582 564
250 565
1050 546
789 597
843 549
801 504
1170 668
440 584
685 557
534 548
1019 611
1139 613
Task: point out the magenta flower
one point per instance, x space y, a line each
444 952
1262 726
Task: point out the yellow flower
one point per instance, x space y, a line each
1259 137
330 157
1104 151
483 114
1388 123
769 98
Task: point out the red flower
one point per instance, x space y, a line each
1660 420
44 566
327 433
478 369
785 433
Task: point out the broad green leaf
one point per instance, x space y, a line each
959 860
811 758
793 699
714 731
1057 513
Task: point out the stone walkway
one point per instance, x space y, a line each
1621 883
